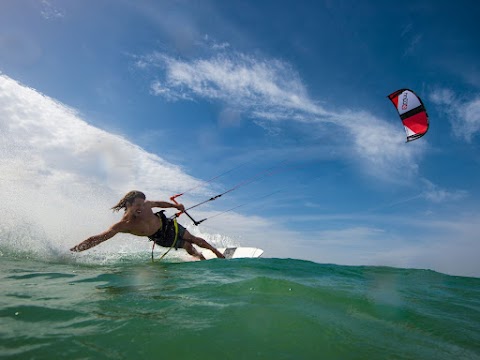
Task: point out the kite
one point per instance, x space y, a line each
412 112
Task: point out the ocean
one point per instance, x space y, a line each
84 306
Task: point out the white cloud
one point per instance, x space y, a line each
437 195
159 89
213 44
471 118
49 11
381 147
464 116
252 85
442 96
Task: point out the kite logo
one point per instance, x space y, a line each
405 101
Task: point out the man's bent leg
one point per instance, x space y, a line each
192 251
202 243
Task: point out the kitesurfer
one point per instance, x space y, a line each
140 220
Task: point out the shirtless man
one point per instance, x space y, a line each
140 220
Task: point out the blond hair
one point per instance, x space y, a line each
129 198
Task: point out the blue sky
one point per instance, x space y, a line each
101 98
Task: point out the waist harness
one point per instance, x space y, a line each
167 235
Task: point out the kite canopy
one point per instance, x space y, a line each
412 112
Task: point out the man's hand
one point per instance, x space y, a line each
84 245
180 207
77 248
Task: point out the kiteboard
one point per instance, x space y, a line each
234 253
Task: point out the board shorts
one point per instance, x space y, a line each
165 236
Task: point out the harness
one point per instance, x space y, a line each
165 230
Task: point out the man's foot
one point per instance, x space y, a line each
219 254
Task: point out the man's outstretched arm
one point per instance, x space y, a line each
95 240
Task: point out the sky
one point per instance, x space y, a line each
284 102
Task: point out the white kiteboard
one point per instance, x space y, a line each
234 252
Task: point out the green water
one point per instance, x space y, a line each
233 309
